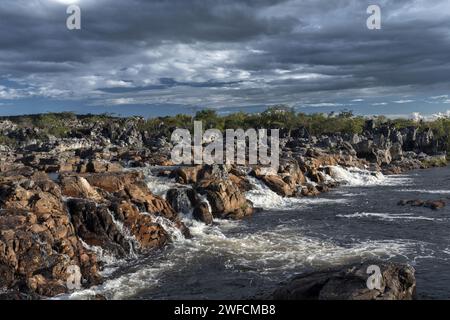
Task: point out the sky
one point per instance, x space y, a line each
163 57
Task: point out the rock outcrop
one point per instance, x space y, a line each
42 235
38 242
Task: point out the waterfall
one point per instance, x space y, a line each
133 243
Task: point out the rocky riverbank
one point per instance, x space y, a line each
62 200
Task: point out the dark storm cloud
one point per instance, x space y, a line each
166 83
217 52
37 31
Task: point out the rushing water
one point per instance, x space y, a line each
241 259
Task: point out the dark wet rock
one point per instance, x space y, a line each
182 199
186 200
413 203
186 175
96 166
350 283
432 204
435 204
95 225
17 295
309 190
239 177
203 213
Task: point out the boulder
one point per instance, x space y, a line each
383 156
202 213
113 182
435 204
78 187
396 152
96 226
182 199
186 175
350 283
97 166
432 204
225 198
278 185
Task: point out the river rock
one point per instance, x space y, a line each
350 283
225 198
182 199
432 204
203 213
186 175
278 185
38 242
95 225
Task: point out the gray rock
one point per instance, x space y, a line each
350 283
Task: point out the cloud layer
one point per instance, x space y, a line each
234 53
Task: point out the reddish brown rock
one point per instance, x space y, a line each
187 175
113 182
39 241
278 185
78 187
226 199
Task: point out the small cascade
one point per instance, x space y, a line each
133 243
111 262
291 234
159 185
263 197
181 200
102 254
357 177
175 234
204 199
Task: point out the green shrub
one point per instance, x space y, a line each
435 162
5 140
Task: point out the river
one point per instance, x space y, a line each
357 221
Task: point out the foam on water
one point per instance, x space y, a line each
426 191
356 177
263 197
102 255
386 216
278 249
159 185
170 228
133 243
282 249
126 285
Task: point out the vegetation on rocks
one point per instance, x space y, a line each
276 117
